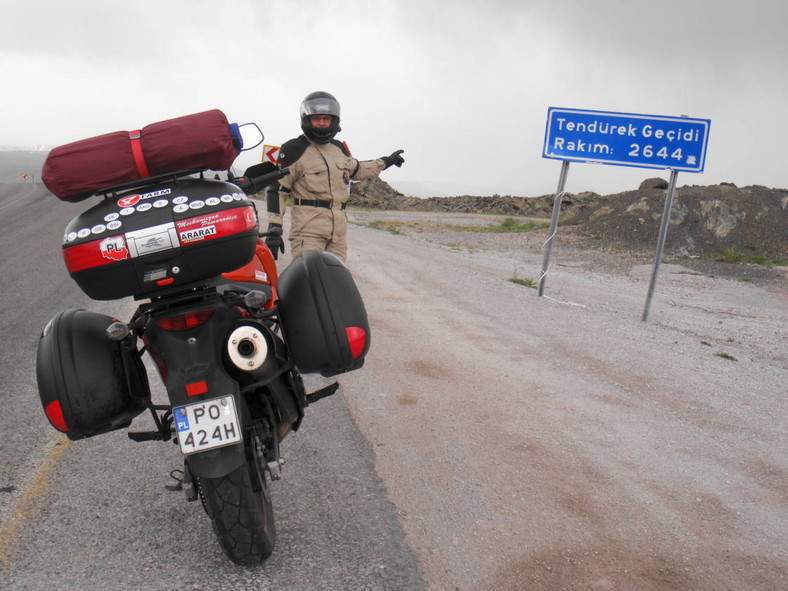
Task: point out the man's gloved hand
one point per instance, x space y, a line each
273 239
394 159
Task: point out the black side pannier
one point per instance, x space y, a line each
88 383
323 316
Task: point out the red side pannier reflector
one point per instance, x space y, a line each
54 413
357 337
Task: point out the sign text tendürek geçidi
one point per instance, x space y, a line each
651 141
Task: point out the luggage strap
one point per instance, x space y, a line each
136 151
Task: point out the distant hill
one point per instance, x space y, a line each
751 220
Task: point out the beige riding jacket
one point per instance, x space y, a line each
322 173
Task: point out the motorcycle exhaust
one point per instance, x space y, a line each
247 348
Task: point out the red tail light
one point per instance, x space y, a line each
197 388
185 321
357 338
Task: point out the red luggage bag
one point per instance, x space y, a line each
75 171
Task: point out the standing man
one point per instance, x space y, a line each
321 169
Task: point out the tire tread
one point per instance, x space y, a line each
242 518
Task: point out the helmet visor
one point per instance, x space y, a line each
320 106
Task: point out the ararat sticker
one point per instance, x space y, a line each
197 234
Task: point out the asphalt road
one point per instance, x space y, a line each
97 514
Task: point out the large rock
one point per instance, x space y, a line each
752 220
654 183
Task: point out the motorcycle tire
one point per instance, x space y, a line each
242 514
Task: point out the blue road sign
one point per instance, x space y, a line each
626 139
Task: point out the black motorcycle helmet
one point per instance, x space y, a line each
320 103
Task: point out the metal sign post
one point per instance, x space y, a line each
663 232
548 247
623 139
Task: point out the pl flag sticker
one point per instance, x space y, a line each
626 139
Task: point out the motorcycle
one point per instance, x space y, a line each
229 336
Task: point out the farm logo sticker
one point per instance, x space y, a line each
158 193
132 200
128 200
114 248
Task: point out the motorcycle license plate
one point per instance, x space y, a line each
207 425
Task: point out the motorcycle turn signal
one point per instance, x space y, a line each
117 331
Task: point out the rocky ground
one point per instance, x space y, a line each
717 230
559 442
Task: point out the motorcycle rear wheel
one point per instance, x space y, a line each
242 514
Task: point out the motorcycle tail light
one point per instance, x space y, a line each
197 388
357 337
185 321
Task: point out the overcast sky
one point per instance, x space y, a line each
462 86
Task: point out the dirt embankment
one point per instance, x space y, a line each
705 220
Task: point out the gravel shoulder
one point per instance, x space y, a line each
560 442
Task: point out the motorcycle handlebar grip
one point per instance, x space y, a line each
251 185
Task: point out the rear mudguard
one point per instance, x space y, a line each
216 463
190 363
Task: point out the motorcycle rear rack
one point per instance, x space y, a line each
112 192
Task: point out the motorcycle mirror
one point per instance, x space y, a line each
239 140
